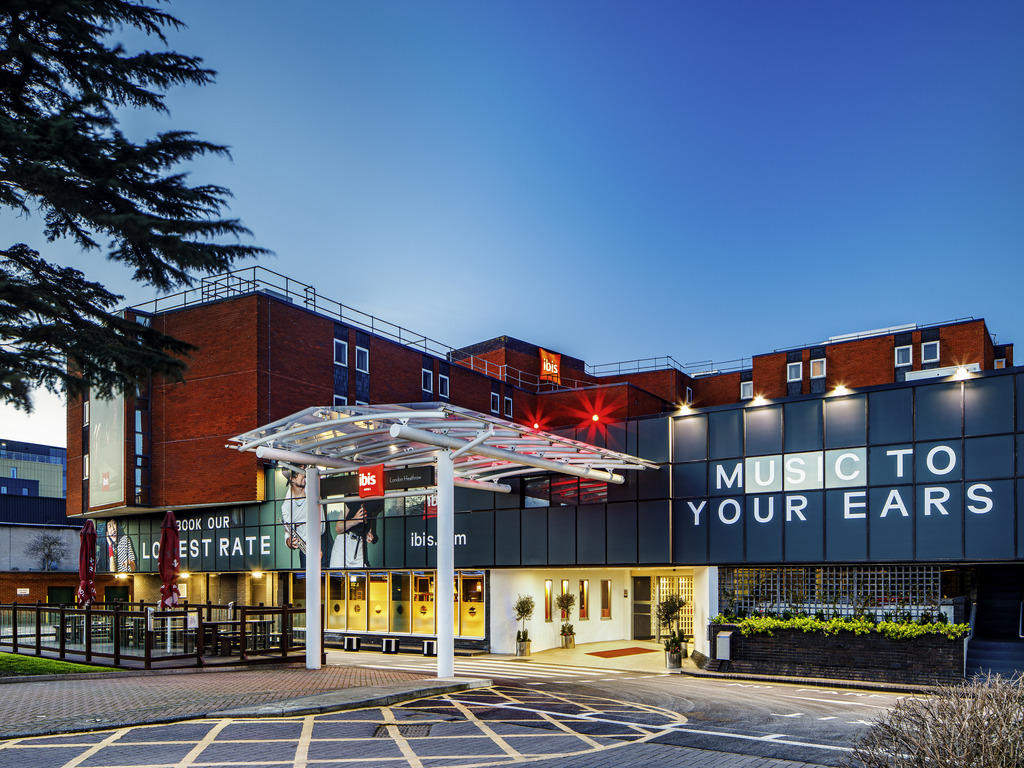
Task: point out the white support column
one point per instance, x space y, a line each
444 584
313 609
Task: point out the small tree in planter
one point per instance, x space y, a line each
523 608
666 613
565 602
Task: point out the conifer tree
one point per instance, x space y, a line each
63 157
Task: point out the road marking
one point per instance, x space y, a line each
504 745
395 733
301 747
96 748
833 701
772 736
745 737
830 717
795 714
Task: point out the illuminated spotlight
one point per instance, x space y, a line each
536 425
962 373
257 574
184 575
684 408
840 390
122 576
595 417
759 400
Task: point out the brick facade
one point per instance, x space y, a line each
927 660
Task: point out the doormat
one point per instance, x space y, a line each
621 652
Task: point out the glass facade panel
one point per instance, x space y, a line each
357 601
401 590
472 604
336 601
377 608
423 603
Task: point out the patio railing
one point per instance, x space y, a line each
136 635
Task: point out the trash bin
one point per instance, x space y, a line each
724 647
352 643
430 647
390 645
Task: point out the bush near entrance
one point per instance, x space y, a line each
894 630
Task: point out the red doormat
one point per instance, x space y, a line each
621 652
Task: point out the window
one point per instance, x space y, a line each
361 402
689 395
548 600
794 371
508 406
565 589
1000 363
85 414
3 489
85 467
14 473
818 369
24 491
584 599
442 385
341 353
904 356
340 400
746 390
495 402
606 598
428 380
362 359
930 352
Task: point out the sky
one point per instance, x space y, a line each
611 180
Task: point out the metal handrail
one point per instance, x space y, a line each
1020 621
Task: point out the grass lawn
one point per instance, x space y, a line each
16 665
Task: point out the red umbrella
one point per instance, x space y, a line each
87 565
168 562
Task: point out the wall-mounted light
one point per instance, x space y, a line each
121 576
257 574
961 373
595 417
840 390
759 400
184 575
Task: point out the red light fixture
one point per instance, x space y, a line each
596 417
536 425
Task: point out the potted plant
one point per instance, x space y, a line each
666 613
674 650
523 608
565 602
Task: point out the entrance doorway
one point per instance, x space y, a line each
642 627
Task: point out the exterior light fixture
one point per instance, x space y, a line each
595 417
536 425
121 576
184 575
257 574
759 400
841 390
962 373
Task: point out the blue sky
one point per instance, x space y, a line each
616 180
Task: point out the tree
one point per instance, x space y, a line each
49 550
62 155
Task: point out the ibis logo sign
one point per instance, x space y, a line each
371 481
550 366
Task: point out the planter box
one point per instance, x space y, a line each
523 649
928 660
568 641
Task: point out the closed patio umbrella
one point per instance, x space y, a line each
168 562
87 565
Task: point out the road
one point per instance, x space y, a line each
543 714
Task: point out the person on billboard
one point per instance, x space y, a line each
356 528
293 515
120 552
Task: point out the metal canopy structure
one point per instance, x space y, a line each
467 448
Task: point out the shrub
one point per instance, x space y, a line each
975 723
766 625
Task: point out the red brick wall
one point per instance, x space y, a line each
193 420
667 384
297 360
722 389
395 373
37 583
